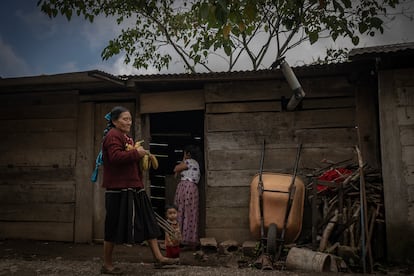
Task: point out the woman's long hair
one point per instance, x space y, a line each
196 155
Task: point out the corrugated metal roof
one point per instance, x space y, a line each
206 75
382 49
78 77
165 82
87 80
243 75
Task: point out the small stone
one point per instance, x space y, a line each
208 242
249 248
227 247
208 245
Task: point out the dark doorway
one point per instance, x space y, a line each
170 132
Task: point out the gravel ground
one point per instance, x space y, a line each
27 258
67 267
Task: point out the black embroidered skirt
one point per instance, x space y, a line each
129 217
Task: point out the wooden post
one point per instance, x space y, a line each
314 211
84 187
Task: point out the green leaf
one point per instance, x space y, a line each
313 37
337 7
376 22
195 47
212 20
204 11
222 4
227 50
355 40
362 27
221 16
250 11
347 3
226 31
68 14
242 27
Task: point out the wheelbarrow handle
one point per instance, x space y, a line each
292 190
260 189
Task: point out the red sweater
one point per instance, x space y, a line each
120 167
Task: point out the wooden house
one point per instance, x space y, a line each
52 129
395 74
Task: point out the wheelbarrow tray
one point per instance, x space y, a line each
275 203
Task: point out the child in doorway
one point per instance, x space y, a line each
172 240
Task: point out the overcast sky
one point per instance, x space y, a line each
32 44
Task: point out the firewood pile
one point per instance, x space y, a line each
348 215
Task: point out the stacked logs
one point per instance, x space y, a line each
348 215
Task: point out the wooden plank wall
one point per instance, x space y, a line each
37 161
85 157
239 115
396 101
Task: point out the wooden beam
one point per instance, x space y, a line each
281 138
23 126
241 91
171 101
395 188
52 231
243 107
53 158
56 111
36 191
275 159
38 212
227 197
112 96
32 140
232 217
84 187
325 118
367 123
39 98
238 234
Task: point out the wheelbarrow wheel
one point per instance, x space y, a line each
271 239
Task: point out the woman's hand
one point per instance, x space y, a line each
186 155
128 147
180 167
141 151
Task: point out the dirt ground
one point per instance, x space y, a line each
26 258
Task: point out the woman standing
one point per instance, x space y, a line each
129 215
187 197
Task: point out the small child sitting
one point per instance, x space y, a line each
172 242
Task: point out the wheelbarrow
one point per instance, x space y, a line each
276 208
